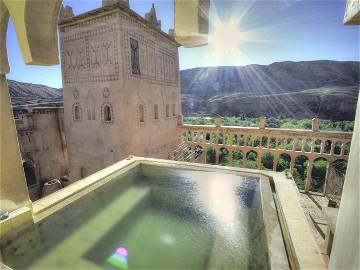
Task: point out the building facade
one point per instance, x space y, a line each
121 88
42 144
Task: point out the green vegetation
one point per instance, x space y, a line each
272 122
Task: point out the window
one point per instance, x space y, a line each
167 110
141 113
76 112
29 171
107 112
135 65
173 109
156 111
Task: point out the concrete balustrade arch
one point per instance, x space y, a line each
319 174
299 148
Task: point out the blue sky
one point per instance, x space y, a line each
269 31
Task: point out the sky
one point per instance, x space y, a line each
241 33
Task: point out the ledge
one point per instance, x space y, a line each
17 219
300 243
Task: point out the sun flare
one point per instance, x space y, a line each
226 38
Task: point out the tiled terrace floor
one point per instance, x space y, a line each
313 205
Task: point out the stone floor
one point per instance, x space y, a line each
313 205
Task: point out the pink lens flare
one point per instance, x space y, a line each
122 251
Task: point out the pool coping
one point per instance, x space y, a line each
299 240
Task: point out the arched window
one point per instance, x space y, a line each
167 110
156 111
76 112
107 113
141 114
173 109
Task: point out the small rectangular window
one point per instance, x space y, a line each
135 64
156 111
167 110
141 113
173 109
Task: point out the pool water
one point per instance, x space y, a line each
152 218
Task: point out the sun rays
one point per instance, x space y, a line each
226 38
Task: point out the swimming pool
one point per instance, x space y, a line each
159 217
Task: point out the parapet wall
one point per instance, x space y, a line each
42 145
234 146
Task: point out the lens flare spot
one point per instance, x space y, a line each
168 239
122 251
119 258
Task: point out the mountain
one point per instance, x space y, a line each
27 93
326 89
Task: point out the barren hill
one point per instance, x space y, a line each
27 93
327 89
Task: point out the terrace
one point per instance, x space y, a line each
268 149
78 225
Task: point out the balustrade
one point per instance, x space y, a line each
246 146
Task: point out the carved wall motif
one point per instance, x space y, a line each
91 104
77 112
76 94
90 55
106 92
141 113
158 64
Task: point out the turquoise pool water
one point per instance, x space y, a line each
152 218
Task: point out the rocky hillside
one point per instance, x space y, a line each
27 93
327 89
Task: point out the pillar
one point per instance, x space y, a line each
346 244
327 175
262 122
322 146
230 157
342 148
216 156
345 249
315 124
308 176
276 157
245 161
303 143
332 147
259 159
292 165
13 188
218 120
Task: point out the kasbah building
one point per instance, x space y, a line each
121 96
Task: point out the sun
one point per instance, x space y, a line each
226 38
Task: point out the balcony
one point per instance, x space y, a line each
91 217
290 150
